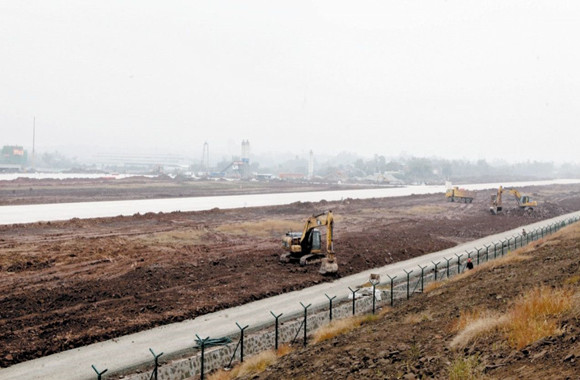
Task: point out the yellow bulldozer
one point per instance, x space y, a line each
524 201
306 247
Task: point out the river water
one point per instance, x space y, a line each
65 211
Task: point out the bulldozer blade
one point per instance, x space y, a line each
328 267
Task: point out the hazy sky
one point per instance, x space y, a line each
456 79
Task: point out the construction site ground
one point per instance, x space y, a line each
49 190
429 336
71 283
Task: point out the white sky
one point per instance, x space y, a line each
456 79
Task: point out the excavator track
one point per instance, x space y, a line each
313 258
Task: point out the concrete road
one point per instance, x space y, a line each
133 350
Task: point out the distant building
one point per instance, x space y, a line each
13 157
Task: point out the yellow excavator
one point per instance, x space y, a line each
306 248
524 201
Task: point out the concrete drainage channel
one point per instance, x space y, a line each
295 328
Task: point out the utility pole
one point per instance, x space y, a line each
33 139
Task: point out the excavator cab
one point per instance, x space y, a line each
314 242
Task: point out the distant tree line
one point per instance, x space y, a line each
427 170
347 166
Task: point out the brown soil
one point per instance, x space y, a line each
412 340
35 191
68 284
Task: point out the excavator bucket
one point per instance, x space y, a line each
328 264
328 267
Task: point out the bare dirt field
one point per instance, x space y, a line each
514 318
71 283
34 191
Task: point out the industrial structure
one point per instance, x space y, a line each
205 159
238 168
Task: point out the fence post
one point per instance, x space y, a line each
495 250
155 370
330 308
478 249
392 279
487 252
435 265
527 236
241 340
408 273
353 299
276 329
458 263
202 344
509 243
422 274
448 260
99 374
374 282
305 320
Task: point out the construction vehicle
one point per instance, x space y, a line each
306 248
461 195
524 201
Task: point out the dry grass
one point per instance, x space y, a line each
465 369
474 324
418 317
252 366
264 228
535 315
511 258
574 280
283 350
342 326
367 318
336 328
467 317
433 286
